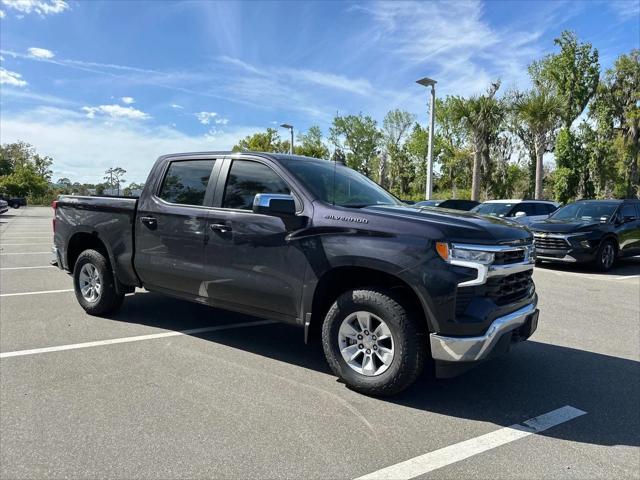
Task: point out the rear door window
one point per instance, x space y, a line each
628 211
540 209
186 182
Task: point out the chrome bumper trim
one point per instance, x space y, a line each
566 258
472 349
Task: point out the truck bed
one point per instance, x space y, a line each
111 219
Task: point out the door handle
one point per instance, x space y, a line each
149 222
220 227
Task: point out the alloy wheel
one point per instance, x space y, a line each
366 343
90 283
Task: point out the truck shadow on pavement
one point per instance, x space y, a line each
534 378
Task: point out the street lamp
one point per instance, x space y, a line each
429 82
290 127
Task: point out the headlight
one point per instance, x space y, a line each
466 255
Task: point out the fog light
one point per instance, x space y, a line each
585 244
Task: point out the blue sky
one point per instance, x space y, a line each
99 84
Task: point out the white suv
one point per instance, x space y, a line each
521 211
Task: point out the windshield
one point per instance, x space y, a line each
351 188
493 209
585 211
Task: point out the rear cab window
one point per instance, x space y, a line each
186 181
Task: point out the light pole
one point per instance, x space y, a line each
429 82
290 127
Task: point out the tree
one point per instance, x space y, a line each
113 177
359 137
573 74
310 144
616 109
268 141
539 111
481 116
23 181
42 166
396 127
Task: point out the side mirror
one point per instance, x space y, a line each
274 204
520 214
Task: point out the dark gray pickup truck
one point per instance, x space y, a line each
310 242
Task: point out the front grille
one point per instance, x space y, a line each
551 243
510 288
501 290
509 256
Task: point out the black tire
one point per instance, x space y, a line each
409 342
110 298
15 205
603 261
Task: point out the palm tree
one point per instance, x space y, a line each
539 110
481 116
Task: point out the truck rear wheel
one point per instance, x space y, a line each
95 285
373 343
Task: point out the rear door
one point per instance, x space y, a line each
251 266
171 226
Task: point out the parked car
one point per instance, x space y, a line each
427 203
522 211
597 231
315 244
457 204
14 202
4 206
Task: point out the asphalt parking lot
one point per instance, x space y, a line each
135 396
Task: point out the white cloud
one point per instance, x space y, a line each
41 52
176 106
453 42
625 9
83 150
11 78
205 117
128 100
2 14
41 7
221 121
116 111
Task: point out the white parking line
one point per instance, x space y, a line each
74 346
23 244
26 253
26 268
35 293
454 453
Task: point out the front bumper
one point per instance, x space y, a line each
474 349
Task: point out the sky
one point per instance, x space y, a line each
117 83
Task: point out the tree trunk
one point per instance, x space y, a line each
540 148
475 179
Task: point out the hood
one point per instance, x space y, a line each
564 226
457 225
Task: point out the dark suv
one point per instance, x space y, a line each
595 231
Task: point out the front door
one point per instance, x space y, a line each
171 228
629 230
251 266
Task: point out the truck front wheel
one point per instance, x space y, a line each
95 285
373 342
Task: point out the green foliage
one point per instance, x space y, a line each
310 144
23 181
482 117
396 163
573 74
358 137
268 141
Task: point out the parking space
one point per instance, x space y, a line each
171 389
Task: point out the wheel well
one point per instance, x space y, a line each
81 242
339 280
